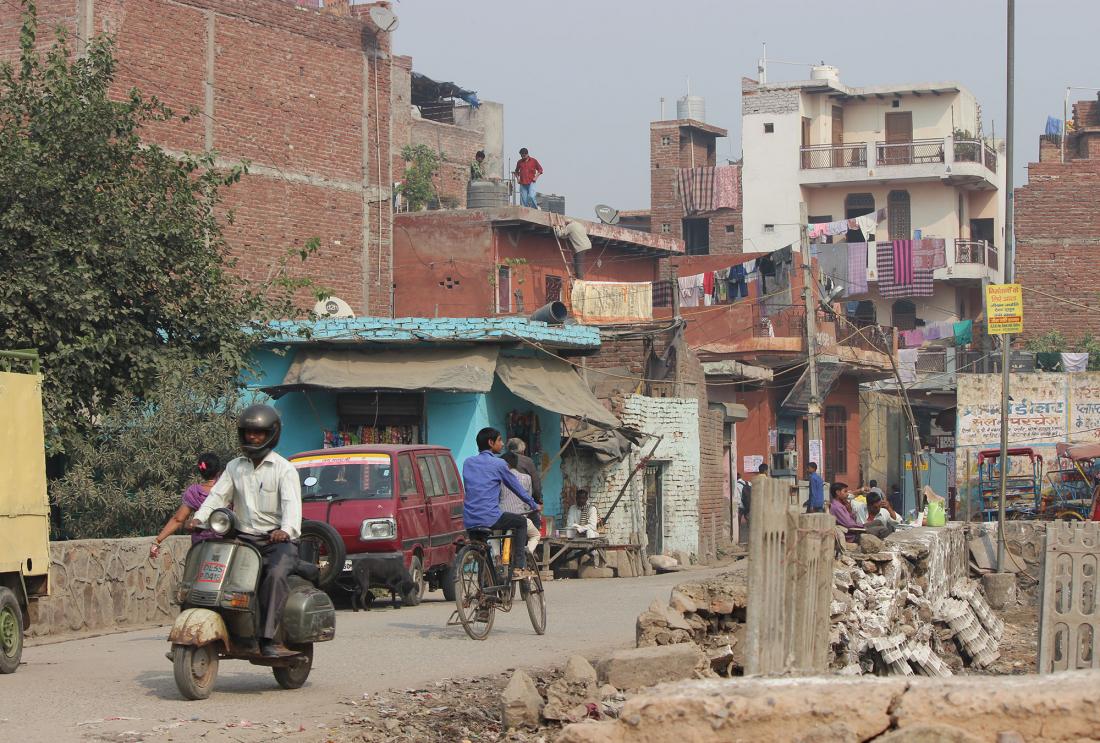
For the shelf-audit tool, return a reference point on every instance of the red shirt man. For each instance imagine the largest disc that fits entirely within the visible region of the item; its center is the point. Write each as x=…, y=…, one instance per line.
x=528, y=168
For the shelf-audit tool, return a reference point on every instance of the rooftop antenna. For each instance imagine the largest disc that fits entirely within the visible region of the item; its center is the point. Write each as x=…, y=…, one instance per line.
x=662, y=108
x=762, y=65
x=384, y=18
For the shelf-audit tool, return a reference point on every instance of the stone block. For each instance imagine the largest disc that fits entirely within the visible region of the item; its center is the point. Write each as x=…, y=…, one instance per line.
x=1000, y=589
x=591, y=571
x=520, y=702
x=640, y=667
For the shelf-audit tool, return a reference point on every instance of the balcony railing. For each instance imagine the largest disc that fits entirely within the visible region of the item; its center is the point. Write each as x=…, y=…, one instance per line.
x=917, y=152
x=852, y=155
x=978, y=252
x=786, y=322
x=932, y=360
x=990, y=156
x=975, y=151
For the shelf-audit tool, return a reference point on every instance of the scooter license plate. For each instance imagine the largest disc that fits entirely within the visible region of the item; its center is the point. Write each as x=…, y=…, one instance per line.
x=347, y=566
x=211, y=572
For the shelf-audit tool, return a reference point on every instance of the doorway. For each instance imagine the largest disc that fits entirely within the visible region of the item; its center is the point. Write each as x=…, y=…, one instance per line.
x=858, y=205
x=696, y=233
x=899, y=132
x=838, y=137
x=982, y=229
x=654, y=508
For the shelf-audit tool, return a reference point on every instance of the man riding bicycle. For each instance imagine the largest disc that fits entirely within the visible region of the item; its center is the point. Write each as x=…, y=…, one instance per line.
x=483, y=477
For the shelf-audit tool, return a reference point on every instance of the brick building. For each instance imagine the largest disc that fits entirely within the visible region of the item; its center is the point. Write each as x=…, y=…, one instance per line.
x=435, y=114
x=1057, y=225
x=302, y=95
x=683, y=145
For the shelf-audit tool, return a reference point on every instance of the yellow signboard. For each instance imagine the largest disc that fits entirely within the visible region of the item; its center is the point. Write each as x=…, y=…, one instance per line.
x=1004, y=309
x=909, y=465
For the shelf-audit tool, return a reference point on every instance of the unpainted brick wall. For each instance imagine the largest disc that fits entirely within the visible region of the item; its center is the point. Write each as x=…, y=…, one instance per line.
x=304, y=96
x=1057, y=234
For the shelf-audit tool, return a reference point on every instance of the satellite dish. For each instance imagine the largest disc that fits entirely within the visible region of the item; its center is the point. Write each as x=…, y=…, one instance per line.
x=333, y=307
x=383, y=18
x=607, y=214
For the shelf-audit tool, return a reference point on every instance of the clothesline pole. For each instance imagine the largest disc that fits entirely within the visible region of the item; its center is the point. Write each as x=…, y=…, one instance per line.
x=814, y=408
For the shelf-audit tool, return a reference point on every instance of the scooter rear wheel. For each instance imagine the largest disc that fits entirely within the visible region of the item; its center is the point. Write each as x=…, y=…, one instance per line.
x=295, y=675
x=195, y=669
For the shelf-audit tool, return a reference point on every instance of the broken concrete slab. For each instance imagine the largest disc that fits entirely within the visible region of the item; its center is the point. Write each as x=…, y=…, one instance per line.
x=1057, y=708
x=579, y=671
x=637, y=668
x=663, y=562
x=1000, y=589
x=591, y=571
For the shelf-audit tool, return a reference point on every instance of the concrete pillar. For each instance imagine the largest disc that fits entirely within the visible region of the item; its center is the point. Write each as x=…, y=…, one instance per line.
x=1000, y=589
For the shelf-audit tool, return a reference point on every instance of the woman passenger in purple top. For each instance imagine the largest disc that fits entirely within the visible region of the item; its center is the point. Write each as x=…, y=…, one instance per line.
x=210, y=469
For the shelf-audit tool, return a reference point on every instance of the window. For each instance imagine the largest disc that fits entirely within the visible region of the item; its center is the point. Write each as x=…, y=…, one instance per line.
x=405, y=473
x=504, y=289
x=553, y=288
x=857, y=205
x=864, y=313
x=769, y=128
x=897, y=214
x=769, y=228
x=450, y=477
x=666, y=140
x=430, y=477
x=730, y=228
x=836, y=441
x=666, y=228
x=896, y=103
x=696, y=236
x=905, y=315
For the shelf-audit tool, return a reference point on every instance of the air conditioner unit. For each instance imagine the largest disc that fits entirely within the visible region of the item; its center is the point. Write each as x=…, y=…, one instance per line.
x=784, y=461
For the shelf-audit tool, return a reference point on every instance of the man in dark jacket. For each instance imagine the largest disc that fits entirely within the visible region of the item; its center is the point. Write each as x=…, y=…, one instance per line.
x=527, y=466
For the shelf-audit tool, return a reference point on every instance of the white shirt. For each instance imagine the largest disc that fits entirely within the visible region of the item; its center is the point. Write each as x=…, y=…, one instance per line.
x=573, y=518
x=885, y=517
x=264, y=498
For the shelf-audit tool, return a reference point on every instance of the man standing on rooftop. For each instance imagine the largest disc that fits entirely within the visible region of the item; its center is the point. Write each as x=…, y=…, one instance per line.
x=527, y=172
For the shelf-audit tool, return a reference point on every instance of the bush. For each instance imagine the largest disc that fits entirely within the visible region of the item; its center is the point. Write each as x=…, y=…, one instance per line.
x=125, y=480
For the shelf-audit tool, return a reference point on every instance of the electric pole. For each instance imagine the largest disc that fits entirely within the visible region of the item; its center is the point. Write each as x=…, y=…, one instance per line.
x=1006, y=339
x=814, y=407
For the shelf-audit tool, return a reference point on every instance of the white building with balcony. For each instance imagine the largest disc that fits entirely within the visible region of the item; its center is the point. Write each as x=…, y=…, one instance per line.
x=918, y=150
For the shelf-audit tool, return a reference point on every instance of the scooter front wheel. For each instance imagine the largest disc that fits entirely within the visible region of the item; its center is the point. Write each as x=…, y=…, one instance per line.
x=195, y=669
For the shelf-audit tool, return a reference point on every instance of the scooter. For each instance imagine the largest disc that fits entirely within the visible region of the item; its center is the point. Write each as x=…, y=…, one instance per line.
x=220, y=613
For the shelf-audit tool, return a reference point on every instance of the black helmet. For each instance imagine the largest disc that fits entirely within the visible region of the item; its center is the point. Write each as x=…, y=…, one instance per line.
x=259, y=418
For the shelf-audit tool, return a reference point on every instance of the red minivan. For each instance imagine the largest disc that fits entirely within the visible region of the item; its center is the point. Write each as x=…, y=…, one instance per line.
x=399, y=507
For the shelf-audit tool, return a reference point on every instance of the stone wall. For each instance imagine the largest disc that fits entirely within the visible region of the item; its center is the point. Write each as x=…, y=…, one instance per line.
x=108, y=585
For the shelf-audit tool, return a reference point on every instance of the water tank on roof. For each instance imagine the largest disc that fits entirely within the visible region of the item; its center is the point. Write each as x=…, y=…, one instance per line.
x=825, y=72
x=691, y=107
x=486, y=194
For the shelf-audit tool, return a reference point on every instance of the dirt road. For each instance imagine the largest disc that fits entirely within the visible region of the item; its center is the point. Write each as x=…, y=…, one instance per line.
x=65, y=691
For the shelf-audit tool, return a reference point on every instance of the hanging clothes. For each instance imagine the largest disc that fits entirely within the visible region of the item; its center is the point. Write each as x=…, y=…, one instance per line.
x=696, y=186
x=920, y=283
x=612, y=302
x=727, y=187
x=689, y=297
x=738, y=287
x=929, y=254
x=722, y=285
x=903, y=262
x=1075, y=362
x=708, y=284
x=867, y=224
x=857, y=268
x=964, y=332
x=833, y=263
x=907, y=365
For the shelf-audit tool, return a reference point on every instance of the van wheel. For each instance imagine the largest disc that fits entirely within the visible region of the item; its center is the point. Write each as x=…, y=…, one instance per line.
x=195, y=669
x=11, y=631
x=294, y=675
x=416, y=572
x=447, y=582
x=322, y=543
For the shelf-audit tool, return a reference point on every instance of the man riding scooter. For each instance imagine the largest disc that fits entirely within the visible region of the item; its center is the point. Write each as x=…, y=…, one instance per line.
x=266, y=496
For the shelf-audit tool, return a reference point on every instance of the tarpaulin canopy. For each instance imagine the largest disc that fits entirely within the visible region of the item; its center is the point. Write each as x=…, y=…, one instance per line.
x=553, y=385
x=452, y=369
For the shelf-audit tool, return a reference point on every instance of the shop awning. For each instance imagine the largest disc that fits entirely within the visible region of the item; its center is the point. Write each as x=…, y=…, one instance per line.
x=553, y=385
x=450, y=369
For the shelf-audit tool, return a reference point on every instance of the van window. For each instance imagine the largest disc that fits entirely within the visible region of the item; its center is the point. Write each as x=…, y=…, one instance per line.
x=450, y=476
x=429, y=476
x=406, y=475
x=367, y=476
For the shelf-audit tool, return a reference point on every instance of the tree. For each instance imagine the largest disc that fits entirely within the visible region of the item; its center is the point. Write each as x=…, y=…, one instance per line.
x=418, y=188
x=112, y=258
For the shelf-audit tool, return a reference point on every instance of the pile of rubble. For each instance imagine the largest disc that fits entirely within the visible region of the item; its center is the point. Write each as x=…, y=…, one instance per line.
x=888, y=618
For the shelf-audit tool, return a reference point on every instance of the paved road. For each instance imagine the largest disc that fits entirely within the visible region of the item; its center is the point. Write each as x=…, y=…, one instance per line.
x=126, y=675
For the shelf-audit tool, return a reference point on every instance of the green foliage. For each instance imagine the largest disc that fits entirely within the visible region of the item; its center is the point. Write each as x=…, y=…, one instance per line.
x=1055, y=342
x=127, y=478
x=418, y=188
x=111, y=251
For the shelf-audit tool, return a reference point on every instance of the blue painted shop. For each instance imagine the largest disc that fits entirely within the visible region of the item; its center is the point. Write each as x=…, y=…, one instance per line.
x=431, y=381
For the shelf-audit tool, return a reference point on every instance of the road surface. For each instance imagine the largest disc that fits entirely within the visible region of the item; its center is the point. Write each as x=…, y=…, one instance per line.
x=64, y=691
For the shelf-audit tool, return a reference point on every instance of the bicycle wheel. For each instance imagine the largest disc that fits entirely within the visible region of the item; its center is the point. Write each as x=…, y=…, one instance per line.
x=533, y=595
x=475, y=607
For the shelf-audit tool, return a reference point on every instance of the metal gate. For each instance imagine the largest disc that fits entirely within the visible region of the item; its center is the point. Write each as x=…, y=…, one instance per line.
x=1069, y=615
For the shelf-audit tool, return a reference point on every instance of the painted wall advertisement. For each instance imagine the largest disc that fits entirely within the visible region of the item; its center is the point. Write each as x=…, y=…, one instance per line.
x=1045, y=409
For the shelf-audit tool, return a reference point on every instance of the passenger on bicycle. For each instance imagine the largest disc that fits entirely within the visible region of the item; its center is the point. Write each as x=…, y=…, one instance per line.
x=483, y=477
x=511, y=503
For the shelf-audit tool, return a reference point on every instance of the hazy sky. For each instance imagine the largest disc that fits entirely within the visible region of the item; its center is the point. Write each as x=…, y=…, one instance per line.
x=580, y=81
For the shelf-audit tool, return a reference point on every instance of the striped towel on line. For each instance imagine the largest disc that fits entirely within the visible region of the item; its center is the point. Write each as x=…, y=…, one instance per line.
x=920, y=281
x=696, y=186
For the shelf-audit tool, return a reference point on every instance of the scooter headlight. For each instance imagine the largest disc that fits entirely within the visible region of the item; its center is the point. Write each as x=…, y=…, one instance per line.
x=222, y=522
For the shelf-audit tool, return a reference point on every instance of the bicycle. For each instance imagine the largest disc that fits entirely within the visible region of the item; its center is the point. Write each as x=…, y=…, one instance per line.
x=481, y=587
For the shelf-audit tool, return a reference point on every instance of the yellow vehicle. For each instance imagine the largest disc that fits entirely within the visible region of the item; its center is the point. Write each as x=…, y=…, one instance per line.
x=24, y=507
